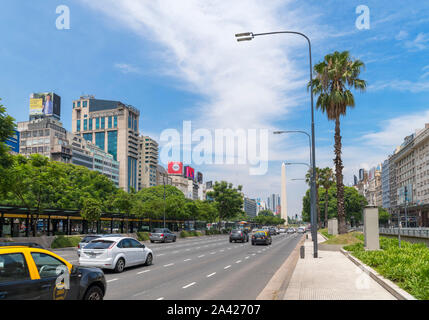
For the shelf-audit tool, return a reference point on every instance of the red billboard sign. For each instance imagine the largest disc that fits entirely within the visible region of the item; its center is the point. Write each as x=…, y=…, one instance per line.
x=175, y=167
x=189, y=172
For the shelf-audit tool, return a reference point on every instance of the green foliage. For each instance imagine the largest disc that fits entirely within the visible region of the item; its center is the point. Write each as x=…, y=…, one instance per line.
x=7, y=125
x=212, y=232
x=354, y=203
x=228, y=200
x=65, y=242
x=407, y=266
x=185, y=234
x=268, y=220
x=143, y=236
x=91, y=210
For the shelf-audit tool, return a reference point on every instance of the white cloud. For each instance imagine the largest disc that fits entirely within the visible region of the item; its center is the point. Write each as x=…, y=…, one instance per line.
x=419, y=43
x=401, y=35
x=401, y=85
x=126, y=68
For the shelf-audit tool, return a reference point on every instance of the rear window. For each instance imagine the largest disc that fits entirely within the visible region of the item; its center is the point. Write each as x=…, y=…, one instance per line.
x=236, y=231
x=158, y=230
x=99, y=244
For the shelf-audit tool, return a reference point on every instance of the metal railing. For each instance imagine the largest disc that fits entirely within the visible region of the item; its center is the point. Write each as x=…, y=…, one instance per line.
x=411, y=232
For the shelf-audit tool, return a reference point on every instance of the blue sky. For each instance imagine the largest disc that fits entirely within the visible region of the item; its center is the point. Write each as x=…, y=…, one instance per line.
x=178, y=60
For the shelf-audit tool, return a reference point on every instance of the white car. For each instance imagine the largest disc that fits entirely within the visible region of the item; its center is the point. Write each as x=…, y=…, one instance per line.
x=115, y=253
x=282, y=230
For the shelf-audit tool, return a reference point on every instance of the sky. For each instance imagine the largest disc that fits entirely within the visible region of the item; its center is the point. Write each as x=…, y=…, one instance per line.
x=179, y=61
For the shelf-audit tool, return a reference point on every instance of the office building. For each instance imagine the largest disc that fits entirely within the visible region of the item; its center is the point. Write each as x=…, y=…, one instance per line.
x=114, y=127
x=385, y=185
x=162, y=176
x=13, y=142
x=250, y=207
x=148, y=162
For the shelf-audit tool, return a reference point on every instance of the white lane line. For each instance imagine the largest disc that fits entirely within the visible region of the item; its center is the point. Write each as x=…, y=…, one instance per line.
x=211, y=274
x=253, y=254
x=167, y=265
x=139, y=294
x=143, y=271
x=229, y=248
x=188, y=249
x=112, y=280
x=222, y=250
x=186, y=260
x=201, y=256
x=212, y=252
x=162, y=298
x=175, y=251
x=162, y=254
x=198, y=247
x=238, y=261
x=227, y=267
x=188, y=285
x=247, y=257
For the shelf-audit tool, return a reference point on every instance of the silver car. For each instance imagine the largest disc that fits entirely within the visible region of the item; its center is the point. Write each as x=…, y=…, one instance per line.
x=115, y=253
x=162, y=235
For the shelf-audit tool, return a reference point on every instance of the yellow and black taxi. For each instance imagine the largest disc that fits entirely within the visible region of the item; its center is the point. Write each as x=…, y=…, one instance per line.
x=261, y=236
x=29, y=272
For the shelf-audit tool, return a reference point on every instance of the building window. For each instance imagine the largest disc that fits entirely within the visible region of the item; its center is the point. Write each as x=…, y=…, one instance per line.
x=109, y=123
x=99, y=140
x=78, y=104
x=74, y=105
x=78, y=126
x=135, y=124
x=112, y=143
x=115, y=121
x=97, y=123
x=85, y=125
x=84, y=104
x=103, y=122
x=90, y=124
x=88, y=137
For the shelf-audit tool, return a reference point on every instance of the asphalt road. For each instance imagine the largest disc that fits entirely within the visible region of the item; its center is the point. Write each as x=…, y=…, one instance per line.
x=208, y=268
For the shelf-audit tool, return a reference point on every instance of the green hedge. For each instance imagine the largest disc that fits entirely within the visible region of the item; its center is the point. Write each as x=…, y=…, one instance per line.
x=212, y=232
x=65, y=242
x=143, y=236
x=184, y=234
x=407, y=266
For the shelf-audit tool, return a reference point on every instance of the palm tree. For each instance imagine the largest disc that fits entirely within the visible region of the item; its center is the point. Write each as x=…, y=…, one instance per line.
x=326, y=180
x=334, y=77
x=308, y=180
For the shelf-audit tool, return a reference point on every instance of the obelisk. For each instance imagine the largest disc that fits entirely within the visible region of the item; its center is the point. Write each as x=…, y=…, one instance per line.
x=283, y=199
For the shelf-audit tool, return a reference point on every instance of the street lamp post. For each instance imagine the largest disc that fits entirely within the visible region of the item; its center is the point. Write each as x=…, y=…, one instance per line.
x=163, y=180
x=247, y=36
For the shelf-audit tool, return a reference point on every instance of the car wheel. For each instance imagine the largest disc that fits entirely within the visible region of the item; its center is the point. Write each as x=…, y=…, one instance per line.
x=120, y=265
x=151, y=241
x=253, y=243
x=230, y=240
x=149, y=260
x=174, y=239
x=93, y=293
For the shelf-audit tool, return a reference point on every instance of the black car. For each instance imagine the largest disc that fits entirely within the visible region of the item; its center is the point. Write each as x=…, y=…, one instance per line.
x=238, y=235
x=261, y=238
x=31, y=273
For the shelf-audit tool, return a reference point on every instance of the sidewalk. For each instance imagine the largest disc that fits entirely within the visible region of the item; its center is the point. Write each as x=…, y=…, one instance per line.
x=332, y=276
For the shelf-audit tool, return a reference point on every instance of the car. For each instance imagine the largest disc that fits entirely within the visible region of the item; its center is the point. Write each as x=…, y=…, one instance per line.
x=238, y=235
x=261, y=237
x=115, y=253
x=29, y=272
x=162, y=235
x=282, y=230
x=88, y=238
x=272, y=231
x=291, y=230
x=301, y=230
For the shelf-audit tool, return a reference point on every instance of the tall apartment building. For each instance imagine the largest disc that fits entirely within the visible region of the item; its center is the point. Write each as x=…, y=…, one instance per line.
x=162, y=176
x=113, y=127
x=385, y=185
x=273, y=202
x=47, y=137
x=250, y=207
x=148, y=162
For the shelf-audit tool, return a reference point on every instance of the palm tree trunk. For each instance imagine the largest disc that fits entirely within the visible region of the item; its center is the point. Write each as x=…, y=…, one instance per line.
x=326, y=207
x=339, y=177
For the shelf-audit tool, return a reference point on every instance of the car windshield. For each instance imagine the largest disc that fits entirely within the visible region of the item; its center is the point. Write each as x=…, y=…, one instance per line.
x=158, y=230
x=236, y=231
x=259, y=235
x=99, y=244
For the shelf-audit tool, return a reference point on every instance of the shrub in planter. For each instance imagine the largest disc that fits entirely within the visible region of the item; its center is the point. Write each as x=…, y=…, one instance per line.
x=65, y=242
x=184, y=234
x=143, y=236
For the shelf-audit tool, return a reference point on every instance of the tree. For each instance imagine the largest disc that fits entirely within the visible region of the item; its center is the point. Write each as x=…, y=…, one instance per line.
x=326, y=180
x=7, y=125
x=308, y=180
x=383, y=216
x=228, y=200
x=207, y=210
x=266, y=212
x=91, y=210
x=334, y=77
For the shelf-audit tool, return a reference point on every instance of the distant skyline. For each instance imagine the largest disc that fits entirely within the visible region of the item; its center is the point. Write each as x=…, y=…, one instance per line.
x=178, y=60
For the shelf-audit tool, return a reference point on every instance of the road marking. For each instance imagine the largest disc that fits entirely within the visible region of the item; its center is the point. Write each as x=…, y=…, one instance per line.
x=227, y=267
x=229, y=248
x=162, y=298
x=198, y=247
x=112, y=280
x=211, y=274
x=201, y=256
x=222, y=250
x=238, y=261
x=139, y=294
x=253, y=254
x=212, y=252
x=143, y=271
x=188, y=285
x=162, y=254
x=167, y=265
x=175, y=251
x=247, y=257
x=186, y=260
x=188, y=249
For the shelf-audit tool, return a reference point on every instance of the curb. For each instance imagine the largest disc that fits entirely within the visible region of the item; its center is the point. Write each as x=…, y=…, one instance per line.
x=276, y=287
x=392, y=288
